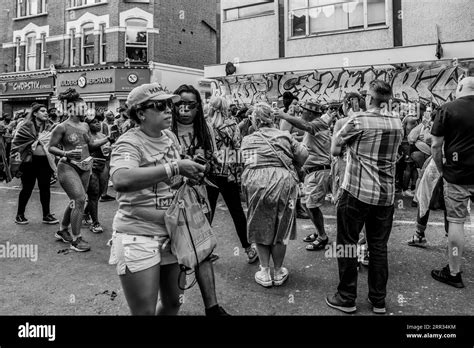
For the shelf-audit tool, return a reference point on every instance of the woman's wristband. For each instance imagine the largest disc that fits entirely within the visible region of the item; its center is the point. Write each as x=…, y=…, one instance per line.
x=174, y=168
x=169, y=172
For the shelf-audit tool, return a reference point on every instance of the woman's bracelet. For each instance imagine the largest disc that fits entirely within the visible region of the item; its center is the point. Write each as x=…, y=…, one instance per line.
x=175, y=168
x=169, y=172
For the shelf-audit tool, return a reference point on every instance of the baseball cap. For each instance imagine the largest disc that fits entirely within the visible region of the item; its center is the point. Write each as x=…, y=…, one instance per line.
x=313, y=107
x=150, y=91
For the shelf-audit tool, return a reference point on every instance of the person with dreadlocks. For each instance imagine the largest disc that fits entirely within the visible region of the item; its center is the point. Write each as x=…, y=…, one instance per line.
x=196, y=139
x=74, y=168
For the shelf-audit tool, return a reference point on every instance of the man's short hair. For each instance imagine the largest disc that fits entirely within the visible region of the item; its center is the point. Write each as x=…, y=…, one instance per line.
x=381, y=90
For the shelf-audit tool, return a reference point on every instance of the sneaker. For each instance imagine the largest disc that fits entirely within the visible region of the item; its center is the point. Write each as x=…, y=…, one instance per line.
x=263, y=277
x=377, y=309
x=280, y=276
x=336, y=302
x=216, y=311
x=444, y=276
x=53, y=181
x=417, y=240
x=408, y=193
x=80, y=245
x=96, y=228
x=21, y=220
x=213, y=257
x=318, y=244
x=50, y=220
x=252, y=254
x=63, y=236
x=87, y=220
x=106, y=198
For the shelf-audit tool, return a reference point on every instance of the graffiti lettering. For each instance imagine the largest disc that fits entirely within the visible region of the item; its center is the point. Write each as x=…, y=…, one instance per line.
x=435, y=82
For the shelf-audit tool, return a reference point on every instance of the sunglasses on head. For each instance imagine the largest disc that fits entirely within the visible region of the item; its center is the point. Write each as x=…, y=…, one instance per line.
x=159, y=105
x=190, y=104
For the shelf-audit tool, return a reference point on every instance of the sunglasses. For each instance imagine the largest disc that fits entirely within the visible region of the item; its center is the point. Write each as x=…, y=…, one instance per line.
x=191, y=105
x=158, y=105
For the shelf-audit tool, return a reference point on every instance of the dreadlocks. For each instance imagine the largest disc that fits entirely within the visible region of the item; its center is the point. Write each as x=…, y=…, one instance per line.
x=201, y=131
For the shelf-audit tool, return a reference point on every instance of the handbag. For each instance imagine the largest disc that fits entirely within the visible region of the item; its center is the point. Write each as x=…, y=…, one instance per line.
x=437, y=199
x=192, y=240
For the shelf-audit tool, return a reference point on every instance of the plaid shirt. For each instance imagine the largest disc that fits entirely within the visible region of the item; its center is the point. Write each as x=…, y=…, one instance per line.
x=372, y=141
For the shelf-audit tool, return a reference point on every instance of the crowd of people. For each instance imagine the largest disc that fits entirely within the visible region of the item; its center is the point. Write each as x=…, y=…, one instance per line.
x=282, y=163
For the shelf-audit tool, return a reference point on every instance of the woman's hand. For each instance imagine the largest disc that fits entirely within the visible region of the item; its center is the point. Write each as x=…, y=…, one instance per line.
x=74, y=155
x=279, y=114
x=191, y=169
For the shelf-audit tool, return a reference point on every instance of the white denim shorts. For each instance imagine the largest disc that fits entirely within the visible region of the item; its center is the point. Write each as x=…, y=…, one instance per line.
x=138, y=253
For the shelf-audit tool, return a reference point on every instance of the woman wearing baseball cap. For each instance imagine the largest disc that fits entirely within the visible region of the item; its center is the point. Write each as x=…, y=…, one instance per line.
x=146, y=171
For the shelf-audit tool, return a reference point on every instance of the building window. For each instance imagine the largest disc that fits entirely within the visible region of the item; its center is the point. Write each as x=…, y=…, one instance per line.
x=87, y=44
x=17, y=54
x=43, y=51
x=73, y=50
x=308, y=17
x=103, y=44
x=30, y=54
x=260, y=9
x=77, y=3
x=136, y=41
x=30, y=7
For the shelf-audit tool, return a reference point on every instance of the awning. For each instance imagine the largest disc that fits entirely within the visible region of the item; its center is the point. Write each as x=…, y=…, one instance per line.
x=20, y=97
x=89, y=98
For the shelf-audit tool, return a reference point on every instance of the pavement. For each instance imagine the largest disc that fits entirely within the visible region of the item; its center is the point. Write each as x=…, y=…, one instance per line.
x=64, y=282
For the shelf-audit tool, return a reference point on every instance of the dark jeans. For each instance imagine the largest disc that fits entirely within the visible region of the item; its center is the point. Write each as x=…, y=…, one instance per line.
x=352, y=214
x=231, y=194
x=39, y=169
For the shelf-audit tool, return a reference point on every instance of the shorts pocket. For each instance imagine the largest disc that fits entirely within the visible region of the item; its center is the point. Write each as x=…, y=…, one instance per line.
x=138, y=248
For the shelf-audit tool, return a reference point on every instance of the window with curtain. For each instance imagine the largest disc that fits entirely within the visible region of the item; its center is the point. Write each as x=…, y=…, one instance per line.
x=30, y=7
x=73, y=48
x=309, y=17
x=43, y=51
x=88, y=44
x=17, y=54
x=76, y=3
x=103, y=44
x=136, y=41
x=30, y=53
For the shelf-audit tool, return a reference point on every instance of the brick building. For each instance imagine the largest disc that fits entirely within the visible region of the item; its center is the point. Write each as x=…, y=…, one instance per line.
x=103, y=48
x=321, y=49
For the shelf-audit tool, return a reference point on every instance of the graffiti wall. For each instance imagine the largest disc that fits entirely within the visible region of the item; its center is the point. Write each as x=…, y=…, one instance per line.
x=431, y=81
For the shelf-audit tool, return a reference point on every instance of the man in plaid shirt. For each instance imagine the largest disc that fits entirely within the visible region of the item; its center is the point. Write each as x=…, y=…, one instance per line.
x=372, y=139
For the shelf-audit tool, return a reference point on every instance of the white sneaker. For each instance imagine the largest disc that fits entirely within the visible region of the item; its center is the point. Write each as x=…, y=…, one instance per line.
x=408, y=193
x=280, y=276
x=263, y=277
